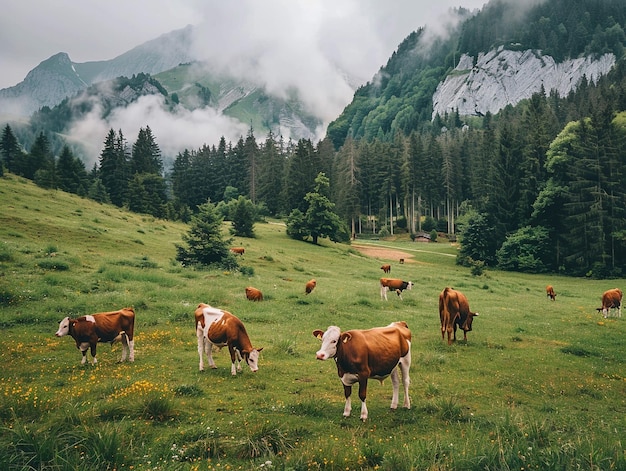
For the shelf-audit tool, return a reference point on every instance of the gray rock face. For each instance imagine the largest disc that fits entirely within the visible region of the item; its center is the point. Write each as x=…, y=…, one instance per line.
x=502, y=77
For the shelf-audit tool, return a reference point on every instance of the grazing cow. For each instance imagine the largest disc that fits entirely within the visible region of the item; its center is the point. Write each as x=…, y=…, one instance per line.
x=238, y=250
x=386, y=268
x=221, y=328
x=401, y=261
x=254, y=294
x=310, y=286
x=363, y=354
x=108, y=327
x=454, y=311
x=550, y=292
x=611, y=299
x=395, y=284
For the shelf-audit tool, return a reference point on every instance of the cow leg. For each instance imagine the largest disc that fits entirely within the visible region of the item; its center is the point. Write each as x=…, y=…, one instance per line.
x=348, y=380
x=233, y=361
x=124, y=347
x=83, y=347
x=93, y=353
x=362, y=396
x=201, y=347
x=131, y=350
x=347, y=391
x=405, y=365
x=395, y=385
x=239, y=359
x=383, y=292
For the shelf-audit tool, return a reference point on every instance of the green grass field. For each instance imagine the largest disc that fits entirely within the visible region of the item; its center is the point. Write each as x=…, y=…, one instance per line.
x=539, y=384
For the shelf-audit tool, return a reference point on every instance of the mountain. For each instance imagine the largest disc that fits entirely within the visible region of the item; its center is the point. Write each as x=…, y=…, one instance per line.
x=502, y=77
x=58, y=81
x=497, y=57
x=46, y=85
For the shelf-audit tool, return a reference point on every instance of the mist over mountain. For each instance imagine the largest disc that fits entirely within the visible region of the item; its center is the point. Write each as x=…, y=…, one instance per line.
x=477, y=62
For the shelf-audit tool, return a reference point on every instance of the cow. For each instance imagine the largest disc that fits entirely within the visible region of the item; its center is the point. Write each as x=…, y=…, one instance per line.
x=310, y=286
x=401, y=261
x=363, y=354
x=106, y=327
x=221, y=328
x=550, y=292
x=395, y=284
x=254, y=294
x=454, y=311
x=386, y=268
x=611, y=299
x=238, y=250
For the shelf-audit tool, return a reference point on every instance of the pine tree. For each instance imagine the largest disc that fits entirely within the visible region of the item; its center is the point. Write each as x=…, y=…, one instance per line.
x=243, y=216
x=204, y=243
x=146, y=155
x=320, y=218
x=271, y=171
x=71, y=173
x=114, y=167
x=11, y=154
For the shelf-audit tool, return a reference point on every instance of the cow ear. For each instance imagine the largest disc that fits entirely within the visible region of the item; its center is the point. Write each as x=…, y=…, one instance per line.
x=318, y=334
x=346, y=337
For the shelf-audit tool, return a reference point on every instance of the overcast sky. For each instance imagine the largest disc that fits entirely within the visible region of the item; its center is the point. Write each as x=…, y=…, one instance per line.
x=299, y=41
x=364, y=33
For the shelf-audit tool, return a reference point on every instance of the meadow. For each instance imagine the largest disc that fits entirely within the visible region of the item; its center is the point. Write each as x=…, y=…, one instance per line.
x=539, y=385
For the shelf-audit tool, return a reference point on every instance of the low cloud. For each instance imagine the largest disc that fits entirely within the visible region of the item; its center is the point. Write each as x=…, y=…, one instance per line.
x=173, y=131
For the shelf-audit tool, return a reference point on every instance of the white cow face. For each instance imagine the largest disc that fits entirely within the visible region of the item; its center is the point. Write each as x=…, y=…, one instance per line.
x=253, y=359
x=330, y=338
x=64, y=327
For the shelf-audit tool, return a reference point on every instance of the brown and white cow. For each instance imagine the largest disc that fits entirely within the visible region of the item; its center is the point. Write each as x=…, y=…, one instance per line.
x=254, y=294
x=363, y=354
x=221, y=328
x=611, y=299
x=238, y=250
x=550, y=292
x=454, y=311
x=310, y=286
x=394, y=284
x=108, y=327
x=386, y=268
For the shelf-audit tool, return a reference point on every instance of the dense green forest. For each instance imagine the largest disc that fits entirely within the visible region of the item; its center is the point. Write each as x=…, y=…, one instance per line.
x=536, y=187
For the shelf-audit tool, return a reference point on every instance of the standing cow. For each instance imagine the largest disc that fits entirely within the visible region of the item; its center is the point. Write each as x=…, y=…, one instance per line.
x=611, y=299
x=310, y=286
x=395, y=284
x=386, y=268
x=454, y=311
x=550, y=292
x=108, y=327
x=363, y=354
x=254, y=294
x=221, y=328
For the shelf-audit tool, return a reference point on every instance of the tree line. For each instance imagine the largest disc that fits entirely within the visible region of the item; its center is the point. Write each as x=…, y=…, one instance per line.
x=536, y=187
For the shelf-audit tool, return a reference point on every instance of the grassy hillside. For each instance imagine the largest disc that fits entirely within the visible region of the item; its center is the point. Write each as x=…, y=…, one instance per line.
x=539, y=384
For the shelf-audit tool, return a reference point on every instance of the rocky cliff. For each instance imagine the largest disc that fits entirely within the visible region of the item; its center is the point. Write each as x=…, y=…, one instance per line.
x=501, y=77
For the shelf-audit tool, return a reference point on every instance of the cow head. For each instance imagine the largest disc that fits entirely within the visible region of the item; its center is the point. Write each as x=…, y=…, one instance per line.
x=329, y=339
x=64, y=327
x=252, y=358
x=467, y=327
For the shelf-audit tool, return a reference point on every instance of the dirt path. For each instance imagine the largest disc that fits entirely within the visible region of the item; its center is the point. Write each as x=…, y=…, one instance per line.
x=382, y=252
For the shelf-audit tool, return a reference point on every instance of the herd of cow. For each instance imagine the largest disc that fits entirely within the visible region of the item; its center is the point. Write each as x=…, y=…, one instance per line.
x=359, y=354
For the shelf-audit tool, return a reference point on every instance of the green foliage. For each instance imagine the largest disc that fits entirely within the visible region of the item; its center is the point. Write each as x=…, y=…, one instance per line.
x=525, y=250
x=477, y=240
x=243, y=217
x=205, y=244
x=296, y=225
